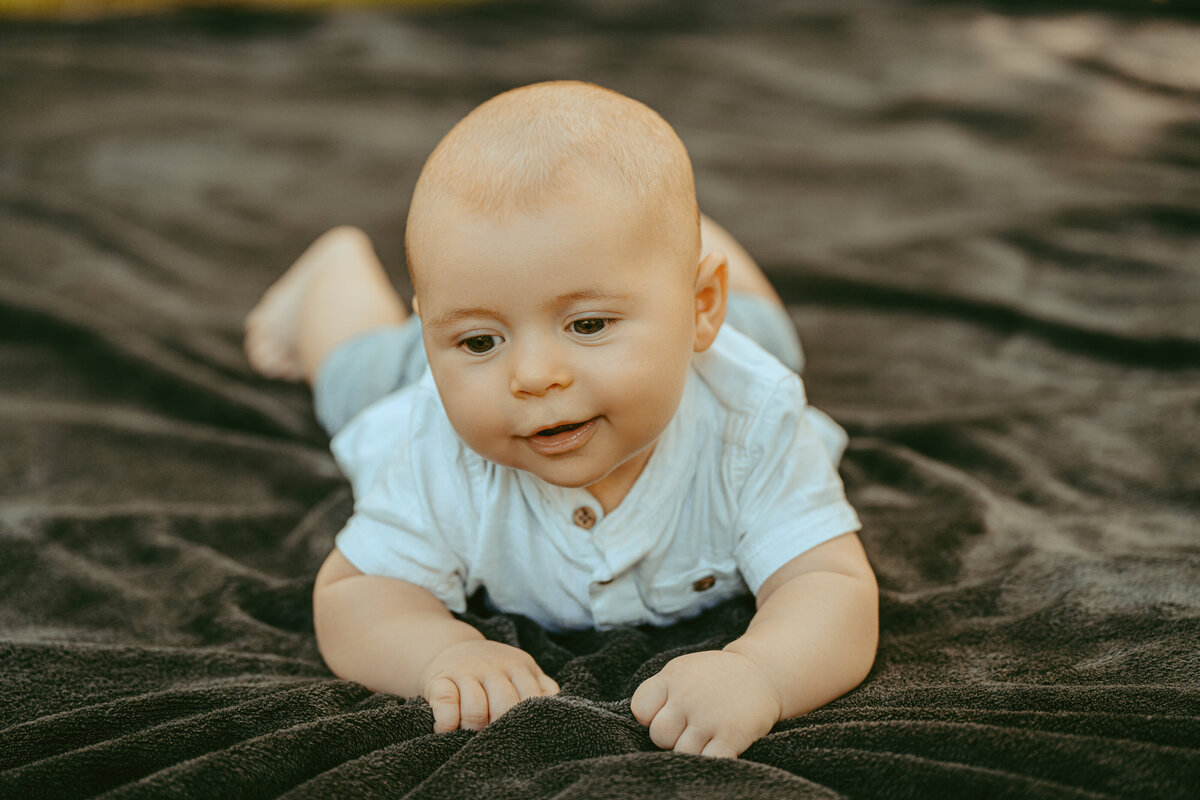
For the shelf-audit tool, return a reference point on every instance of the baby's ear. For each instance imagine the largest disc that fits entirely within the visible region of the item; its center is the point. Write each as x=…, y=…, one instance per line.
x=416, y=306
x=712, y=291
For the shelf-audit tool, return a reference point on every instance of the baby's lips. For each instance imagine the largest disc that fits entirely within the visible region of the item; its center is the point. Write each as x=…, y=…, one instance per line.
x=571, y=438
x=545, y=430
x=560, y=428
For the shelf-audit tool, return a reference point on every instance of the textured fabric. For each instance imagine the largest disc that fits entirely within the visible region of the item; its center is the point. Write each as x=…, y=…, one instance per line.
x=983, y=220
x=739, y=483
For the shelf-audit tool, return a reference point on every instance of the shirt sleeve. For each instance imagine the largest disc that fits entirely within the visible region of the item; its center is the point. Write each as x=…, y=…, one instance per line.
x=410, y=522
x=791, y=498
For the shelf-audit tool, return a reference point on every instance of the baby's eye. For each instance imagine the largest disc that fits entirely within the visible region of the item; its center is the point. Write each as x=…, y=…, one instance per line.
x=589, y=327
x=479, y=344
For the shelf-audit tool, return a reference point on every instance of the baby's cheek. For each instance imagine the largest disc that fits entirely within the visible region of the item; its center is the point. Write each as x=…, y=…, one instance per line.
x=485, y=432
x=650, y=391
x=475, y=419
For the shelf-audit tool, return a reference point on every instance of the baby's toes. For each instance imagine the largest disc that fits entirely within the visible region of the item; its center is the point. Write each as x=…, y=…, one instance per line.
x=263, y=354
x=270, y=359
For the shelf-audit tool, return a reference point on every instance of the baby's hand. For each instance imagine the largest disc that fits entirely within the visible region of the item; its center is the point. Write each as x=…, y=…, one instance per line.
x=715, y=703
x=473, y=683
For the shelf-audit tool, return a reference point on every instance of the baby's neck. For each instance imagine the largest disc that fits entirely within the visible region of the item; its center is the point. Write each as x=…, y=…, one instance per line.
x=610, y=490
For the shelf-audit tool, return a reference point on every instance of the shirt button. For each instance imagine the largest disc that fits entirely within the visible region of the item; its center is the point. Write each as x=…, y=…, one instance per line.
x=705, y=583
x=584, y=517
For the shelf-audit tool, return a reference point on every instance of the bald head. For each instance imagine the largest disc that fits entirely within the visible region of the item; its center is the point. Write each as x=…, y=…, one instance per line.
x=535, y=145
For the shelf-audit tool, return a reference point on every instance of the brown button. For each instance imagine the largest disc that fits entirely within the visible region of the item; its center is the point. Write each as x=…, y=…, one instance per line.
x=584, y=517
x=705, y=583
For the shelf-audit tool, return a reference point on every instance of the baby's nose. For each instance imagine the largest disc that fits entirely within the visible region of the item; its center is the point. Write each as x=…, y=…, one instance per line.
x=539, y=367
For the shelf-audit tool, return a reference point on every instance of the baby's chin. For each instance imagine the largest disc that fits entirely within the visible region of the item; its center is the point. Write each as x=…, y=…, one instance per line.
x=556, y=474
x=563, y=475
x=567, y=481
x=569, y=470
x=594, y=477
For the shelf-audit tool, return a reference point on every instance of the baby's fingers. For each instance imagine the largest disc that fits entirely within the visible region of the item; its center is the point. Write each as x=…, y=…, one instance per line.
x=443, y=699
x=693, y=740
x=533, y=684
x=472, y=704
x=648, y=699
x=501, y=696
x=547, y=684
x=668, y=727
x=700, y=740
x=719, y=748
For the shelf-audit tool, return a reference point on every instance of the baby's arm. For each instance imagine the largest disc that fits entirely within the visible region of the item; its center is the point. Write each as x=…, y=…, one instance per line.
x=394, y=636
x=812, y=640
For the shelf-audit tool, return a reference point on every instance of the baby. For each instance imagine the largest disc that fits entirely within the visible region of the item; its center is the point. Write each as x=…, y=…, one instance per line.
x=571, y=427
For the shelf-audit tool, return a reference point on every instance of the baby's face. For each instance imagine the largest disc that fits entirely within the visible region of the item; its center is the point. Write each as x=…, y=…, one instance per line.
x=559, y=340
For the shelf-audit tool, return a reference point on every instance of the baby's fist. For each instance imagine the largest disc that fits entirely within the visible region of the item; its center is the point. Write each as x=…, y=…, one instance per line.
x=712, y=703
x=474, y=683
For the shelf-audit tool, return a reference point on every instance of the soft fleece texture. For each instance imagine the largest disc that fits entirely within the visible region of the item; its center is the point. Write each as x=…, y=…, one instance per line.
x=986, y=223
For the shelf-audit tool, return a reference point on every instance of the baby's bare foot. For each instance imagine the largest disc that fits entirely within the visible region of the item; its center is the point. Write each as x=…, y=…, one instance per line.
x=271, y=326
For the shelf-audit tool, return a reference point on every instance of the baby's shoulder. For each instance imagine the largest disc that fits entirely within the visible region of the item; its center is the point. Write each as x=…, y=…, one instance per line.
x=407, y=428
x=761, y=402
x=743, y=378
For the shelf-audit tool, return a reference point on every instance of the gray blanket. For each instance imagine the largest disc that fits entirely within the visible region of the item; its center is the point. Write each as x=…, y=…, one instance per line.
x=986, y=223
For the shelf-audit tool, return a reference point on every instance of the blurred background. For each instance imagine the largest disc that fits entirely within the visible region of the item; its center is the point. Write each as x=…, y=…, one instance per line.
x=93, y=8
x=1021, y=163
x=84, y=8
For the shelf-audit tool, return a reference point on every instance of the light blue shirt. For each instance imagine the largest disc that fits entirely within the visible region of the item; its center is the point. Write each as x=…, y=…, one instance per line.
x=741, y=481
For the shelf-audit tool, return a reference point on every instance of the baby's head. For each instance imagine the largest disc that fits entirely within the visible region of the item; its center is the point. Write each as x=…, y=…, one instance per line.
x=554, y=248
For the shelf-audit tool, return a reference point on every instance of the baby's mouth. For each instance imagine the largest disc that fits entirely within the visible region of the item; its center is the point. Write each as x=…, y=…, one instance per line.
x=564, y=438
x=560, y=429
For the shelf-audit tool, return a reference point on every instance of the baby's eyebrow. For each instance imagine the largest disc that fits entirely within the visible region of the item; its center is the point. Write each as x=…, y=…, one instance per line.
x=591, y=294
x=459, y=314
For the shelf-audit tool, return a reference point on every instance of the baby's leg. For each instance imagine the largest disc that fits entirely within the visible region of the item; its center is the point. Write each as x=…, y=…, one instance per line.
x=337, y=289
x=744, y=274
x=754, y=308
